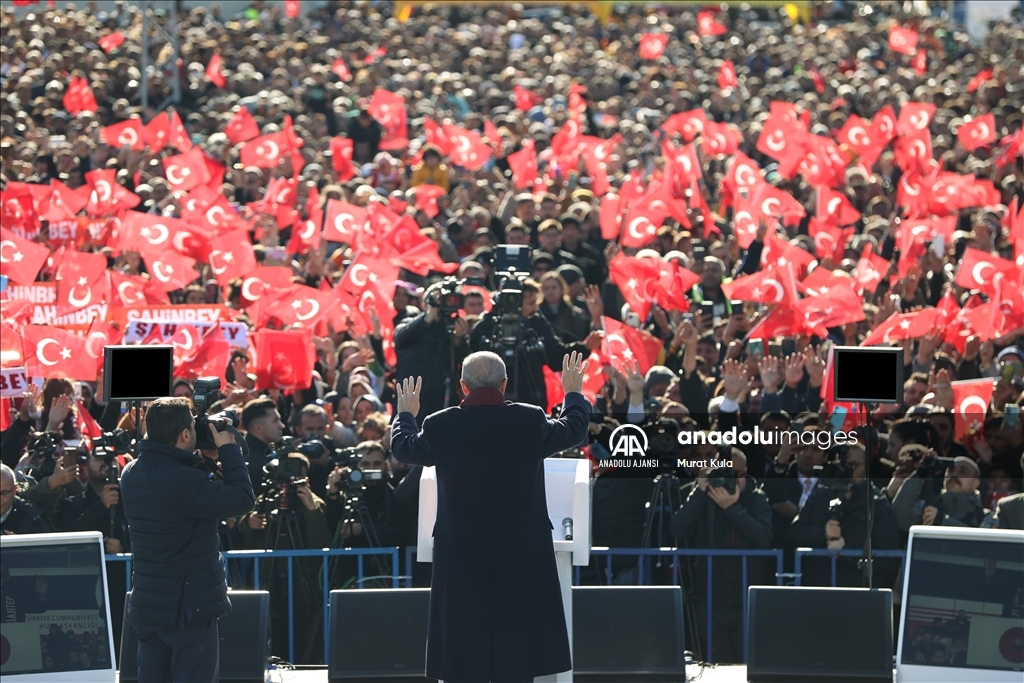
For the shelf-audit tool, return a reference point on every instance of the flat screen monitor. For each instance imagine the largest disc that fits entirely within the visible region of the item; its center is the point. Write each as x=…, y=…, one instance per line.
x=963, y=606
x=867, y=375
x=797, y=634
x=55, y=624
x=137, y=373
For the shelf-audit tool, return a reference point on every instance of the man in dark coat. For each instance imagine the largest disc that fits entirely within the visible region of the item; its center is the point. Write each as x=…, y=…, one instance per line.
x=495, y=602
x=173, y=508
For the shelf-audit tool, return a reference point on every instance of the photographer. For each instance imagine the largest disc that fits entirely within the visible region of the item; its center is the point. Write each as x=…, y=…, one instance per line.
x=732, y=513
x=16, y=515
x=425, y=343
x=55, y=472
x=958, y=503
x=97, y=508
x=528, y=364
x=179, y=589
x=836, y=518
x=312, y=429
x=375, y=495
x=263, y=427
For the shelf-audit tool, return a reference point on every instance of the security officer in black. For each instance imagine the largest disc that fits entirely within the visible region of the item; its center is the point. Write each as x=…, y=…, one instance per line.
x=526, y=385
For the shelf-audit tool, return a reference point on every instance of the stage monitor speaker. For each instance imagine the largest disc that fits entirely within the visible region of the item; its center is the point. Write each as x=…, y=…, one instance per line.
x=378, y=634
x=244, y=640
x=630, y=633
x=820, y=634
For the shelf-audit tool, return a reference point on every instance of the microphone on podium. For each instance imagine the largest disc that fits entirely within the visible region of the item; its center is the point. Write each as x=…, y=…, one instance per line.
x=567, y=528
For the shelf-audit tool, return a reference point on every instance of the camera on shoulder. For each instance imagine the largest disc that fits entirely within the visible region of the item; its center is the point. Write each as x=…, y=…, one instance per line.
x=206, y=392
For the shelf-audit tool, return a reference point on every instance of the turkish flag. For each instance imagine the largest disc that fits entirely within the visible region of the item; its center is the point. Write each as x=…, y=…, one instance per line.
x=55, y=202
x=291, y=8
x=125, y=133
x=405, y=234
x=708, y=25
x=981, y=77
x=646, y=281
x=101, y=333
x=389, y=111
x=341, y=158
x=860, y=136
x=343, y=221
x=914, y=117
x=365, y=269
x=283, y=360
x=211, y=358
x=263, y=280
x=971, y=401
x=883, y=125
x=978, y=269
x=903, y=326
x=426, y=198
x=78, y=97
x=652, y=45
x=524, y=164
x=340, y=69
x=186, y=171
x=643, y=220
x=155, y=132
x=719, y=139
x=53, y=352
x=111, y=41
x=913, y=152
x=782, y=131
x=681, y=162
x=177, y=136
x=267, y=150
x=977, y=132
x=21, y=259
x=920, y=62
x=837, y=306
x=688, y=124
x=241, y=127
x=142, y=231
x=300, y=306
x=306, y=235
x=903, y=40
x=768, y=200
x=186, y=342
x=834, y=208
x=468, y=148
x=231, y=256
x=773, y=285
x=126, y=290
x=829, y=240
x=215, y=71
x=781, y=321
x=744, y=222
x=81, y=279
x=524, y=99
x=870, y=270
x=12, y=351
x=170, y=269
x=727, y=75
x=743, y=174
x=610, y=216
x=436, y=135
x=623, y=344
x=105, y=195
x=780, y=251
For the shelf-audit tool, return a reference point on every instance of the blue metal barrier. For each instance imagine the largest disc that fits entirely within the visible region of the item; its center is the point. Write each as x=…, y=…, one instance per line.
x=801, y=553
x=675, y=554
x=289, y=555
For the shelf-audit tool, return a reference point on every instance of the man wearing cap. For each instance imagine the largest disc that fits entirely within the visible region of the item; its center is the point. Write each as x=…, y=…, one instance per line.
x=957, y=504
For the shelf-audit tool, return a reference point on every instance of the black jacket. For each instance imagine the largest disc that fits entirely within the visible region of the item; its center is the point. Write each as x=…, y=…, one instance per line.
x=12, y=441
x=257, y=458
x=424, y=349
x=747, y=523
x=86, y=512
x=25, y=518
x=173, y=508
x=808, y=531
x=528, y=381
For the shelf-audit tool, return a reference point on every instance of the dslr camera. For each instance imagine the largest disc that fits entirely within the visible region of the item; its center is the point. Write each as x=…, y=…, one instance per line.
x=44, y=450
x=933, y=465
x=111, y=444
x=355, y=479
x=205, y=393
x=446, y=298
x=723, y=478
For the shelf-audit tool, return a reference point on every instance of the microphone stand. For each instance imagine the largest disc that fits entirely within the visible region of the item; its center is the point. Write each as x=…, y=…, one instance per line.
x=868, y=560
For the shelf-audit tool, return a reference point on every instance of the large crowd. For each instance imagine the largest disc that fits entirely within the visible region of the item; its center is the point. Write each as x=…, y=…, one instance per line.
x=704, y=204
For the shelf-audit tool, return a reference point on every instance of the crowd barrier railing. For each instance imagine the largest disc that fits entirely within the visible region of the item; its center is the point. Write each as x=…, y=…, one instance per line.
x=801, y=553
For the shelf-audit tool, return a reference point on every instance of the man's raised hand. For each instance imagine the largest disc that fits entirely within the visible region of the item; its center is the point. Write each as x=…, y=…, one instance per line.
x=573, y=367
x=409, y=395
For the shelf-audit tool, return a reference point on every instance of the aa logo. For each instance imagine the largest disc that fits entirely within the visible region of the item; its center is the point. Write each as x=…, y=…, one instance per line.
x=628, y=441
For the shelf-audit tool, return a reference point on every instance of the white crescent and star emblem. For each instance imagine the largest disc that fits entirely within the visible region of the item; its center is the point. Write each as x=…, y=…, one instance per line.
x=859, y=137
x=16, y=256
x=767, y=204
x=128, y=137
x=41, y=357
x=162, y=271
x=973, y=401
x=247, y=288
x=102, y=191
x=76, y=301
x=129, y=298
x=919, y=120
x=776, y=142
x=314, y=308
x=355, y=270
x=90, y=345
x=268, y=149
x=745, y=175
x=918, y=149
x=340, y=220
x=160, y=229
x=910, y=188
x=217, y=211
x=833, y=204
x=635, y=224
x=977, y=271
x=981, y=132
x=214, y=254
x=176, y=175
x=774, y=284
x=825, y=242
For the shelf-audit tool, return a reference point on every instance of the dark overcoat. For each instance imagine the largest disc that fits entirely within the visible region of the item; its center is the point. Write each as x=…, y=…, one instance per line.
x=495, y=603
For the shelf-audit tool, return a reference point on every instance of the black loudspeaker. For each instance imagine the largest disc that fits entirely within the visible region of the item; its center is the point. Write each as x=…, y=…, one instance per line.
x=378, y=634
x=632, y=633
x=244, y=640
x=820, y=634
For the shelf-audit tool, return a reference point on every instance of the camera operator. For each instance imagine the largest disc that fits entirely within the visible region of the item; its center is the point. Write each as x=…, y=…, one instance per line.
x=18, y=516
x=263, y=427
x=313, y=530
x=312, y=429
x=55, y=472
x=836, y=518
x=179, y=589
x=528, y=381
x=97, y=507
x=424, y=346
x=13, y=439
x=958, y=503
x=725, y=510
x=376, y=494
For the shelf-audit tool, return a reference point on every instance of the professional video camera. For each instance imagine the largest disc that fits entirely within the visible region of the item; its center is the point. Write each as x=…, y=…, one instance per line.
x=447, y=299
x=112, y=444
x=933, y=465
x=355, y=479
x=724, y=478
x=206, y=392
x=311, y=448
x=662, y=437
x=44, y=450
x=835, y=475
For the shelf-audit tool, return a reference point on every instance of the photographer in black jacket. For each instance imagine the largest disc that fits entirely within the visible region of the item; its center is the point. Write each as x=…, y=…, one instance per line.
x=173, y=506
x=424, y=344
x=715, y=517
x=528, y=381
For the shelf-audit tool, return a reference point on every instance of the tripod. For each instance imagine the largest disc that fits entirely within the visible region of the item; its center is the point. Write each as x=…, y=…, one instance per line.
x=665, y=499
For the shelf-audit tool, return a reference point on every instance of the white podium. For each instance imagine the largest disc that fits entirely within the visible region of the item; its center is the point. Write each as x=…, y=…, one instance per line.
x=567, y=485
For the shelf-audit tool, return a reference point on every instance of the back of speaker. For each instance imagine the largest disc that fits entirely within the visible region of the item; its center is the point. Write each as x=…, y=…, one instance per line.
x=378, y=634
x=630, y=633
x=244, y=640
x=821, y=634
